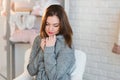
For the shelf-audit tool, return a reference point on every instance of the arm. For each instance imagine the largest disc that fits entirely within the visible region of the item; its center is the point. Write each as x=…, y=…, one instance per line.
x=33, y=62
x=35, y=49
x=56, y=69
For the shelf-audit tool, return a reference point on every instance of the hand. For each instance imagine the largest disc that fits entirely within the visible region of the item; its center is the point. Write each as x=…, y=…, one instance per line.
x=42, y=44
x=50, y=41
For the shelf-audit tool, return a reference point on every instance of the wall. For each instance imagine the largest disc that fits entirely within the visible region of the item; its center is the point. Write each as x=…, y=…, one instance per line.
x=95, y=24
x=3, y=64
x=20, y=50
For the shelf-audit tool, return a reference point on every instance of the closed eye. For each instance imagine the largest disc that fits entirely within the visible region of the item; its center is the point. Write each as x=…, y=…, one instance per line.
x=56, y=25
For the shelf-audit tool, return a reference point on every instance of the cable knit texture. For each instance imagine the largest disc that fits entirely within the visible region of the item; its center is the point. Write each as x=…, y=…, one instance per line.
x=55, y=63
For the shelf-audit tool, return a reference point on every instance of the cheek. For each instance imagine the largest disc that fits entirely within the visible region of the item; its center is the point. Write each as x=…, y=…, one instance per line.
x=57, y=30
x=46, y=29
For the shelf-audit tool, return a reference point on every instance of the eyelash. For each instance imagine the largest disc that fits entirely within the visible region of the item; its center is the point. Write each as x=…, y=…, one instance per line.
x=49, y=24
x=56, y=26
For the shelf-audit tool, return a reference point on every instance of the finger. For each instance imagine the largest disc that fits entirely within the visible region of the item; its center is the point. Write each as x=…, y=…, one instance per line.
x=43, y=40
x=47, y=39
x=54, y=37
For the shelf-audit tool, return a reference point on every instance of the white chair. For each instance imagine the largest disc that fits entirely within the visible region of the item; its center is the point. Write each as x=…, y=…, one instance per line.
x=25, y=75
x=77, y=74
x=80, y=63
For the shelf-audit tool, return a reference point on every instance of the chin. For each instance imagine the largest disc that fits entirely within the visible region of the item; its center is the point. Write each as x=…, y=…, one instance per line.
x=50, y=35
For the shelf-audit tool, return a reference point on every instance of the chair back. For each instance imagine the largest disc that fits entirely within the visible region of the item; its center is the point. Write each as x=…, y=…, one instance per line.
x=80, y=63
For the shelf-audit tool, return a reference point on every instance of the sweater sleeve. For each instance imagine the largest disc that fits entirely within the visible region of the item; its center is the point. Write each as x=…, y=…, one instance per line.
x=35, y=49
x=34, y=57
x=57, y=67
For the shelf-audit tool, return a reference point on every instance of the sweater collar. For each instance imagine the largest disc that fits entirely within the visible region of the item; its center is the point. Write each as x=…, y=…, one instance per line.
x=59, y=37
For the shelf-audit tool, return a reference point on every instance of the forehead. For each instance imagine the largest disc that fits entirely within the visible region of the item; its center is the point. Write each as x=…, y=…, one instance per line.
x=52, y=19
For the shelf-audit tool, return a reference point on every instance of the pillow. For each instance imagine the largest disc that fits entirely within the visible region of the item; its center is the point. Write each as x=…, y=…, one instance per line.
x=41, y=5
x=24, y=36
x=23, y=6
x=21, y=21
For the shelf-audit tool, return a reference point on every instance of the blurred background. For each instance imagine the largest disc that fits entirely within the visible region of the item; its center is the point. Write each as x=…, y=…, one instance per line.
x=95, y=24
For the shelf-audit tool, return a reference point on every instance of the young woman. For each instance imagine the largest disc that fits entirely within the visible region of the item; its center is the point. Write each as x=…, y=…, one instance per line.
x=52, y=56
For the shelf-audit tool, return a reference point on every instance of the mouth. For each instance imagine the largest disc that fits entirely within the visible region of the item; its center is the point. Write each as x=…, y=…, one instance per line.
x=50, y=32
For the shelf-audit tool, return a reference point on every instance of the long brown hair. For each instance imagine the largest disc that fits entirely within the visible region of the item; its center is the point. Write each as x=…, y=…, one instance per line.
x=65, y=28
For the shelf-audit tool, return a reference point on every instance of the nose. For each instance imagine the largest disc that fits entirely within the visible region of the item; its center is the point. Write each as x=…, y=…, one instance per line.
x=50, y=27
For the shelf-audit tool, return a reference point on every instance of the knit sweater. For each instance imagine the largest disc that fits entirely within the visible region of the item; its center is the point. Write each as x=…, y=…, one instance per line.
x=54, y=63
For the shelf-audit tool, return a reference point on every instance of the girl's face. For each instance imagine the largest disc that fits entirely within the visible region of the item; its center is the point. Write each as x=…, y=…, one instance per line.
x=52, y=25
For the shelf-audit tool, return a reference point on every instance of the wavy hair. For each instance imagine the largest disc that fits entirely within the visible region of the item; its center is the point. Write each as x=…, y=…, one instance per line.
x=65, y=28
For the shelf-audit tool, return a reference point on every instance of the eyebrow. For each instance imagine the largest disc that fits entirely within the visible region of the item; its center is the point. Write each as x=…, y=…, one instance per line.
x=53, y=23
x=56, y=24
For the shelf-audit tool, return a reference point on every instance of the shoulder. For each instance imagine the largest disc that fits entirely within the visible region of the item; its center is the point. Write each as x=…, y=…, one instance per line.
x=64, y=47
x=60, y=39
x=60, y=42
x=37, y=38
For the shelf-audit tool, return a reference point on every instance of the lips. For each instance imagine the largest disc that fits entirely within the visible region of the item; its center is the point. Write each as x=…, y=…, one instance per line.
x=50, y=32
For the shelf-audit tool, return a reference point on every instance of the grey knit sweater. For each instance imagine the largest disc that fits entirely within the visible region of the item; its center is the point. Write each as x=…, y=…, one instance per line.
x=55, y=63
